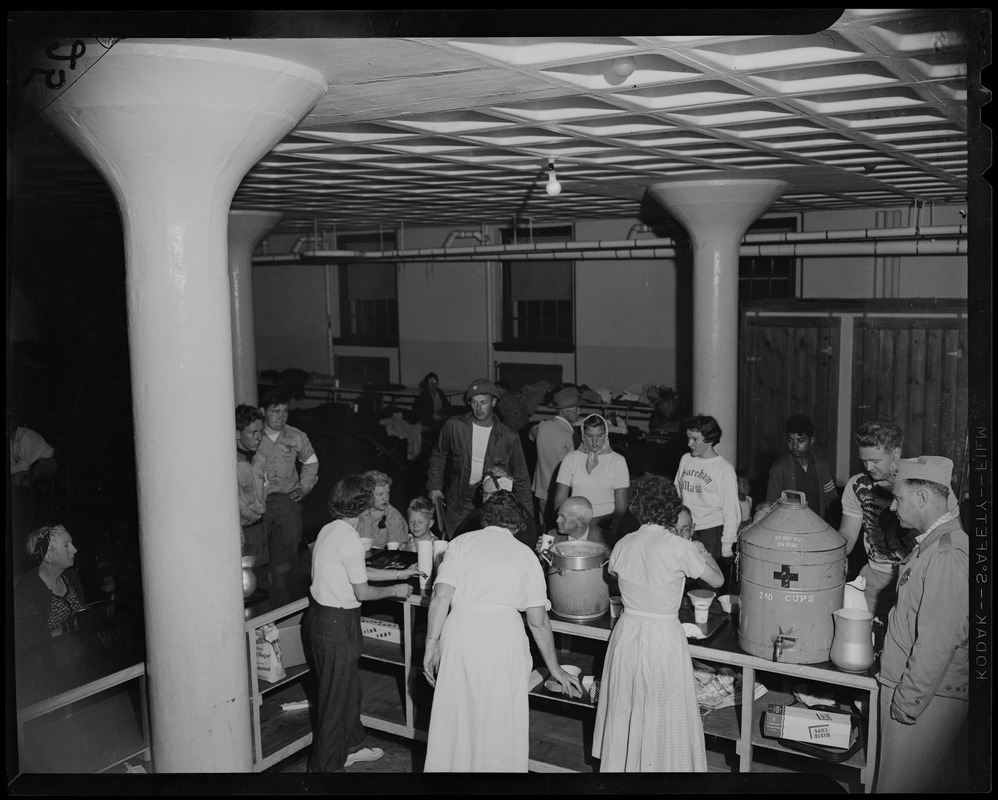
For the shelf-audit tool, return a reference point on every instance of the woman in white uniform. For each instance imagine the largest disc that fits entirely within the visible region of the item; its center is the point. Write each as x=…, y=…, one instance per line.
x=477, y=651
x=648, y=719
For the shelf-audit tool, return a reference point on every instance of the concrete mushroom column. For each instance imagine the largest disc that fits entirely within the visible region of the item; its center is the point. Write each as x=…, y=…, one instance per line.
x=246, y=230
x=716, y=214
x=173, y=129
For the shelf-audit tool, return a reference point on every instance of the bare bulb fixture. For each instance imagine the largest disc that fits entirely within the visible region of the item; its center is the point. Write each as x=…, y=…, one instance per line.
x=622, y=67
x=553, y=188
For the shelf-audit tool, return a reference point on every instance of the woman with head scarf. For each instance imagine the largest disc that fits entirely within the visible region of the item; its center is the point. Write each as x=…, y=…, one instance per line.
x=52, y=592
x=596, y=472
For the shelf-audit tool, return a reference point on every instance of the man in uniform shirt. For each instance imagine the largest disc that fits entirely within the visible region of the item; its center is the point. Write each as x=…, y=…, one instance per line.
x=284, y=448
x=469, y=444
x=924, y=668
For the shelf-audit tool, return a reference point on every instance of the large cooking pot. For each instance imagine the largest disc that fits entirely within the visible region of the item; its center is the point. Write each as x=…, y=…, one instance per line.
x=576, y=587
x=793, y=572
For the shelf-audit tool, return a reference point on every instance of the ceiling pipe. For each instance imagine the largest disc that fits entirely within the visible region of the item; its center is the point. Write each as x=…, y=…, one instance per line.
x=858, y=234
x=624, y=251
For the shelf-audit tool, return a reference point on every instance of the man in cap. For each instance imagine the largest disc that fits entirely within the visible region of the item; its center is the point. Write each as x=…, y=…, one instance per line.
x=469, y=444
x=866, y=510
x=924, y=666
x=554, y=437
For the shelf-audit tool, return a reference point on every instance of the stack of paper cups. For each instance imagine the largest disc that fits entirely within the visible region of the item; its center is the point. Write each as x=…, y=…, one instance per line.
x=424, y=560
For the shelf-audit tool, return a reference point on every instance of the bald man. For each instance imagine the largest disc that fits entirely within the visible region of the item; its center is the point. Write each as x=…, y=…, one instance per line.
x=574, y=524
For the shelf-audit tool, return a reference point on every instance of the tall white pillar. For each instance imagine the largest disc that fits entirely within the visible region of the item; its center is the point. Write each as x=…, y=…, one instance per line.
x=246, y=230
x=716, y=214
x=173, y=129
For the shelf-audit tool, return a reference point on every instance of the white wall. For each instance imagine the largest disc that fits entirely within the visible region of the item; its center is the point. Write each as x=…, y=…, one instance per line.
x=862, y=277
x=630, y=330
x=289, y=314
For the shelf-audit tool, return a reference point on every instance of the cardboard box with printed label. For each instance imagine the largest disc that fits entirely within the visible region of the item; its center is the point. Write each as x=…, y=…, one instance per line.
x=375, y=628
x=814, y=725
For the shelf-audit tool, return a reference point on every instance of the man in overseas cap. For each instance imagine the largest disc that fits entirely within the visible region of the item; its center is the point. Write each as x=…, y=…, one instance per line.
x=924, y=667
x=471, y=443
x=555, y=437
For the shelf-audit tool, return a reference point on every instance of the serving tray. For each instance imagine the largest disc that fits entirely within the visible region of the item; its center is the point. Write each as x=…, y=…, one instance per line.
x=391, y=559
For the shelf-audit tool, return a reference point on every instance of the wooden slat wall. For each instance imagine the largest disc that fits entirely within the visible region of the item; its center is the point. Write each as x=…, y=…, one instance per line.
x=914, y=371
x=789, y=365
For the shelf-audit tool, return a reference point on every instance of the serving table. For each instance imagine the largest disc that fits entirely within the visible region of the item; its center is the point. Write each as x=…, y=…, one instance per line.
x=278, y=733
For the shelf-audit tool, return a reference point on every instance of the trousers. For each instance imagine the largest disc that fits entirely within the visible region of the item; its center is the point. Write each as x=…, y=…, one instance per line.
x=333, y=647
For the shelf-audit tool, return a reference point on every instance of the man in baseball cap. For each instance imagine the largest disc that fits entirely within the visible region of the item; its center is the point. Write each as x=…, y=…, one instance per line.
x=470, y=444
x=924, y=667
x=481, y=386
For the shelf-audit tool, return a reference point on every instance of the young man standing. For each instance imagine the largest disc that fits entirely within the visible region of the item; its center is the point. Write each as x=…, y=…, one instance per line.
x=800, y=470
x=866, y=510
x=470, y=444
x=283, y=447
x=251, y=472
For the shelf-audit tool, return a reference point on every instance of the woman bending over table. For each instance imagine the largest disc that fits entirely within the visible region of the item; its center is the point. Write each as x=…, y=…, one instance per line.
x=477, y=652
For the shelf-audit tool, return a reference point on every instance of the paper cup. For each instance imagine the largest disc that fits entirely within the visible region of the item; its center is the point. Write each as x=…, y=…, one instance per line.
x=587, y=682
x=701, y=615
x=616, y=606
x=571, y=669
x=393, y=545
x=729, y=602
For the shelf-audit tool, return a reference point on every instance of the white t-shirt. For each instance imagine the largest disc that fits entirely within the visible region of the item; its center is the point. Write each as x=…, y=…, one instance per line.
x=598, y=488
x=479, y=444
x=337, y=564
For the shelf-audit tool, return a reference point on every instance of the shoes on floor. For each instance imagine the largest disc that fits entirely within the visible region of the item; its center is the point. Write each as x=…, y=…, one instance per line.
x=367, y=754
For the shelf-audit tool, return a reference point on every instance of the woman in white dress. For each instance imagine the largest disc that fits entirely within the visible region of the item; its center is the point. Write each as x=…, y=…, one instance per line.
x=477, y=652
x=648, y=719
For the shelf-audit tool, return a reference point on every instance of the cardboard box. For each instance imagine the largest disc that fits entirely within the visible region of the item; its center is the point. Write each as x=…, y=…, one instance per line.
x=380, y=629
x=813, y=725
x=292, y=650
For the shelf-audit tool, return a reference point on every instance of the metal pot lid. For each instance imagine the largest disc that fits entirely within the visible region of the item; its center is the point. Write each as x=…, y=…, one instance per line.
x=578, y=549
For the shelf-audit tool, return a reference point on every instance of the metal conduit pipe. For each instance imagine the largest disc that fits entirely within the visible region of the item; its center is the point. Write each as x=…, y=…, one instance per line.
x=949, y=247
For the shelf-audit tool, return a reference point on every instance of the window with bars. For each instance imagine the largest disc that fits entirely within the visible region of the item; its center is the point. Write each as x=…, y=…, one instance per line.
x=538, y=296
x=768, y=277
x=369, y=312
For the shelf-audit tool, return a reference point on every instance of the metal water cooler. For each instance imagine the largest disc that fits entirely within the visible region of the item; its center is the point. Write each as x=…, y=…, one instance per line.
x=793, y=573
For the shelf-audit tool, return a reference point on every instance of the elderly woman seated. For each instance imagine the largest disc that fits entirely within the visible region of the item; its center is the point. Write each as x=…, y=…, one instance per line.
x=50, y=593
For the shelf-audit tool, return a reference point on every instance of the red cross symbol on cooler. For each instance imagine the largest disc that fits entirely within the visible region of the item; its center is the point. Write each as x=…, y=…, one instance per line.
x=785, y=576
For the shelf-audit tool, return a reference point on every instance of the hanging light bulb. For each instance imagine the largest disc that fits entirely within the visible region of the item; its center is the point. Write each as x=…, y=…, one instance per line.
x=622, y=67
x=553, y=187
